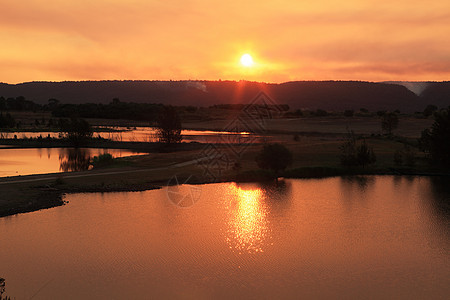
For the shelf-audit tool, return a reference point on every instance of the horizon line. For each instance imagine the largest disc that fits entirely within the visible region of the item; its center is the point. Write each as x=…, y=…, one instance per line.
x=225, y=80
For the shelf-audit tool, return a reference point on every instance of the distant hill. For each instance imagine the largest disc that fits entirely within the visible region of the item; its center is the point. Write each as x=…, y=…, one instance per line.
x=329, y=95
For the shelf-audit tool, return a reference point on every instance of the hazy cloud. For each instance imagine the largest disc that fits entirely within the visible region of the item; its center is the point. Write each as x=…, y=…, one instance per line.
x=199, y=39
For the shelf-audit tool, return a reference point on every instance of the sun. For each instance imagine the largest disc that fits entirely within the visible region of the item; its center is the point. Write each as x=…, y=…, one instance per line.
x=246, y=60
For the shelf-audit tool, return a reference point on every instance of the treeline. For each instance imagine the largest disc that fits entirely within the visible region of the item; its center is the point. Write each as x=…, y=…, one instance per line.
x=117, y=109
x=7, y=121
x=281, y=107
x=113, y=110
x=18, y=104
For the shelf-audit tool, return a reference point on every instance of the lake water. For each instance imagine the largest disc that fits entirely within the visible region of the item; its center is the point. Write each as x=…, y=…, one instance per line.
x=14, y=162
x=149, y=134
x=348, y=238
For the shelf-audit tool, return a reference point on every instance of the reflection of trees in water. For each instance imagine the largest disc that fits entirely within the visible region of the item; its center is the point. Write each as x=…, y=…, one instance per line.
x=440, y=199
x=72, y=160
x=355, y=189
x=362, y=182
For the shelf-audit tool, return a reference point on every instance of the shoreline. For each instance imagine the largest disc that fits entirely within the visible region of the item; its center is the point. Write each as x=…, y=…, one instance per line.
x=51, y=194
x=315, y=158
x=96, y=143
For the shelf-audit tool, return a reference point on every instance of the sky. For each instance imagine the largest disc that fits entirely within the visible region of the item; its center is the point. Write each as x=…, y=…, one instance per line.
x=58, y=40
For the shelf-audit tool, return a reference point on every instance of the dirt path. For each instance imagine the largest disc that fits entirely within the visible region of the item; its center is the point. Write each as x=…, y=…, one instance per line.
x=53, y=176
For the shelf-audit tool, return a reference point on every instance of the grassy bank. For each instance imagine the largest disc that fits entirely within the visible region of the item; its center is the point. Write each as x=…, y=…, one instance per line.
x=314, y=157
x=96, y=143
x=49, y=190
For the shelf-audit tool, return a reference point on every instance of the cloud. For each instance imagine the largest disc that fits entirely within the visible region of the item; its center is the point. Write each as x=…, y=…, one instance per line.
x=199, y=39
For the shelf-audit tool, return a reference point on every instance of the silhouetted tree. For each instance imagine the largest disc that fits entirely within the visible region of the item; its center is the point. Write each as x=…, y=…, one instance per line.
x=53, y=103
x=365, y=155
x=364, y=110
x=398, y=157
x=436, y=141
x=298, y=113
x=2, y=103
x=7, y=121
x=407, y=156
x=429, y=110
x=77, y=130
x=169, y=126
x=356, y=155
x=389, y=122
x=349, y=113
x=275, y=157
x=102, y=160
x=380, y=113
x=348, y=150
x=321, y=113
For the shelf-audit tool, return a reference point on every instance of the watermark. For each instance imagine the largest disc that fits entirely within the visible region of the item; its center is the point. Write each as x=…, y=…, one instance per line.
x=182, y=191
x=216, y=159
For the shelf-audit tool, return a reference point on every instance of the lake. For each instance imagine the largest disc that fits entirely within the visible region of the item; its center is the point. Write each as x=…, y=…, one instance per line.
x=14, y=162
x=148, y=134
x=343, y=237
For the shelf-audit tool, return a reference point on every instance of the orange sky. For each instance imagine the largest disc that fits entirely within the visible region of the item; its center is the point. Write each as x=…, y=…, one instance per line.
x=198, y=39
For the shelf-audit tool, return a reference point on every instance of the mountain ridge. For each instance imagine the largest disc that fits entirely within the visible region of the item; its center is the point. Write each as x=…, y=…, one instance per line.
x=329, y=95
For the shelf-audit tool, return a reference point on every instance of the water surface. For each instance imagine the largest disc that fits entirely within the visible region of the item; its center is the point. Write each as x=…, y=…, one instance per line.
x=359, y=237
x=14, y=162
x=148, y=134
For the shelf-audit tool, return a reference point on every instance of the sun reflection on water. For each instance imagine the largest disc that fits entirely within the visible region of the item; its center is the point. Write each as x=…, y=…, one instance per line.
x=248, y=224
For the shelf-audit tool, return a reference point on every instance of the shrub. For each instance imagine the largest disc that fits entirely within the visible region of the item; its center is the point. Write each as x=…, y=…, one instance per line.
x=436, y=141
x=321, y=113
x=76, y=130
x=102, y=160
x=275, y=157
x=389, y=122
x=429, y=110
x=169, y=126
x=398, y=158
x=349, y=113
x=353, y=154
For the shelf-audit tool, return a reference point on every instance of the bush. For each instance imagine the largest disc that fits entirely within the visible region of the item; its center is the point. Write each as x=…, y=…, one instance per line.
x=365, y=155
x=7, y=121
x=356, y=155
x=398, y=158
x=275, y=157
x=102, y=160
x=349, y=113
x=429, y=110
x=380, y=113
x=364, y=110
x=169, y=126
x=321, y=113
x=389, y=122
x=76, y=130
x=436, y=141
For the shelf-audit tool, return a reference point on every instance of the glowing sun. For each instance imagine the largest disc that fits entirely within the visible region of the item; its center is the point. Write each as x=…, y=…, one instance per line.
x=246, y=60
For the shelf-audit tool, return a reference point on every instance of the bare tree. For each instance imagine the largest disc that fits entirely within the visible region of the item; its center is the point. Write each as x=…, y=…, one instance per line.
x=169, y=126
x=389, y=122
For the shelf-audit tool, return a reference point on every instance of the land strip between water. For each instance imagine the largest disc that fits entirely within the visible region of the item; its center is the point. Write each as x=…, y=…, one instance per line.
x=313, y=157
